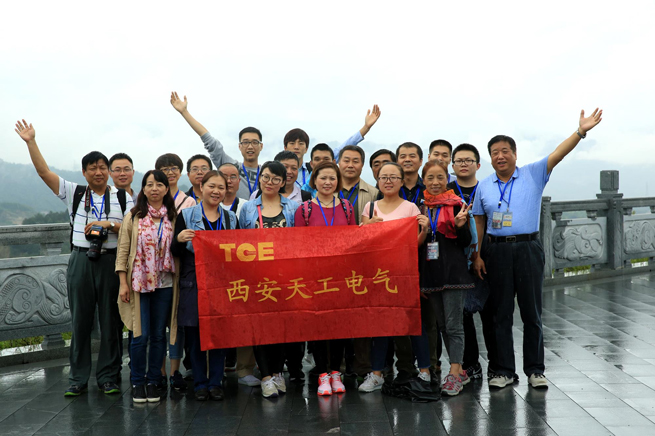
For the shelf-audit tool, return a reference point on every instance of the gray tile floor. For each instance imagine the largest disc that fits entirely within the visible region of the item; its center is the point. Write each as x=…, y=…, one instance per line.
x=600, y=362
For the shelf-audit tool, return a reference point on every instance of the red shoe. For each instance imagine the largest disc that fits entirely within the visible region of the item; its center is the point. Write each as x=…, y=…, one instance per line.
x=324, y=387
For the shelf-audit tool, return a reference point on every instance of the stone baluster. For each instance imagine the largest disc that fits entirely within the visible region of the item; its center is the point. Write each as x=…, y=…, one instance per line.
x=609, y=191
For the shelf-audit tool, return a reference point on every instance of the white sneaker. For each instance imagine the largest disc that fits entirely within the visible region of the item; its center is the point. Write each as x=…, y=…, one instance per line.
x=538, y=381
x=268, y=389
x=280, y=384
x=337, y=384
x=500, y=381
x=249, y=380
x=371, y=383
x=324, y=386
x=425, y=376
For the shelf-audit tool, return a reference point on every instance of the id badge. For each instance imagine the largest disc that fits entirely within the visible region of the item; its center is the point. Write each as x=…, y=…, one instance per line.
x=507, y=219
x=433, y=251
x=497, y=220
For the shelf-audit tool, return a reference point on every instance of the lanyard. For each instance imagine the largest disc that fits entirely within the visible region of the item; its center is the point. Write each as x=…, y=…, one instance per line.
x=102, y=208
x=323, y=213
x=502, y=193
x=220, y=221
x=461, y=194
x=418, y=192
x=304, y=171
x=261, y=222
x=354, y=188
x=433, y=224
x=159, y=231
x=250, y=187
x=176, y=194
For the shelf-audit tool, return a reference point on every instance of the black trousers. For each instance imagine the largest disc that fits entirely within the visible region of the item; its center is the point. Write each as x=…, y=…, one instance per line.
x=337, y=348
x=270, y=358
x=471, y=349
x=293, y=353
x=516, y=269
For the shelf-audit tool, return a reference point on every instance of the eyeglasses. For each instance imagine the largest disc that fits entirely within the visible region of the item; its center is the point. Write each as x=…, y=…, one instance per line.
x=232, y=178
x=460, y=162
x=169, y=170
x=249, y=143
x=274, y=181
x=197, y=170
x=125, y=170
x=392, y=179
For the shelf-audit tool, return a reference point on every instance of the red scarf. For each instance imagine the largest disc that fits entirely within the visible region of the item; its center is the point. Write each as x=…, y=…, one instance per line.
x=446, y=221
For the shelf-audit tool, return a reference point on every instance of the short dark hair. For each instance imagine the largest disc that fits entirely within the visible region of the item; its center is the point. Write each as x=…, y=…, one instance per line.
x=294, y=135
x=466, y=147
x=287, y=155
x=321, y=147
x=140, y=208
x=92, y=158
x=250, y=130
x=441, y=142
x=501, y=138
x=356, y=148
x=322, y=166
x=210, y=174
x=402, y=171
x=379, y=153
x=431, y=164
x=120, y=156
x=277, y=169
x=169, y=160
x=409, y=145
x=196, y=157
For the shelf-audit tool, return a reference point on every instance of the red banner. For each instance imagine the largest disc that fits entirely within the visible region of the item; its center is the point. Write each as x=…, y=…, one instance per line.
x=298, y=284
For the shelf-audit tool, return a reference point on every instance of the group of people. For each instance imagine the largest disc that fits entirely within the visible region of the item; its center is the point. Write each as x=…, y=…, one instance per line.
x=132, y=257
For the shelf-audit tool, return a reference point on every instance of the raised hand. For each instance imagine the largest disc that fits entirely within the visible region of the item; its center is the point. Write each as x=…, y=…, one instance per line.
x=25, y=131
x=586, y=124
x=372, y=116
x=177, y=103
x=462, y=216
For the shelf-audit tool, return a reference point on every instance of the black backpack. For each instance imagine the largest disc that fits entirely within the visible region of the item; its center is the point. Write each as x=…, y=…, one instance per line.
x=78, y=195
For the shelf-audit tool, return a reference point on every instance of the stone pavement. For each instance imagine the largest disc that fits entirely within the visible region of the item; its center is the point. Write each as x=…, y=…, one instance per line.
x=600, y=362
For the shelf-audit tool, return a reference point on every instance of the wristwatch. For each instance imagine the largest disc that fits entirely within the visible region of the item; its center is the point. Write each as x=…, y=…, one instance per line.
x=112, y=225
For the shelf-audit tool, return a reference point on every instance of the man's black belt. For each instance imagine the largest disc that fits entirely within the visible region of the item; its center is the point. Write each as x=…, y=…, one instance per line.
x=103, y=251
x=515, y=238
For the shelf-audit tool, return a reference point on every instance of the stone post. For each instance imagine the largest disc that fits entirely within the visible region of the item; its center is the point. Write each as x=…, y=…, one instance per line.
x=52, y=341
x=609, y=191
x=546, y=235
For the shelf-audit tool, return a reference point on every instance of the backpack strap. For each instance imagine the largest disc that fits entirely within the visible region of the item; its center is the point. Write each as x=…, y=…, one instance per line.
x=181, y=203
x=346, y=209
x=304, y=195
x=372, y=210
x=78, y=195
x=122, y=200
x=306, y=211
x=226, y=219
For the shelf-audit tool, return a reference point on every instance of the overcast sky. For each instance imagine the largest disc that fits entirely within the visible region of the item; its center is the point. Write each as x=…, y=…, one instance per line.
x=99, y=76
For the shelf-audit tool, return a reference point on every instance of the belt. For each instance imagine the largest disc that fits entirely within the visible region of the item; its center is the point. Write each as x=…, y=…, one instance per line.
x=515, y=238
x=103, y=251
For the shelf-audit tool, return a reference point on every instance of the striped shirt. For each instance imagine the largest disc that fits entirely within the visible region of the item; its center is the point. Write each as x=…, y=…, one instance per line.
x=66, y=192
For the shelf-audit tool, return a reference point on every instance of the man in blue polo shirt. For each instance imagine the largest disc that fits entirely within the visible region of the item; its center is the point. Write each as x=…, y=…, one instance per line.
x=512, y=257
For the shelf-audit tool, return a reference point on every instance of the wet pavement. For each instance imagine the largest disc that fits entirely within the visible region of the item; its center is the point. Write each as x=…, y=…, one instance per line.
x=600, y=363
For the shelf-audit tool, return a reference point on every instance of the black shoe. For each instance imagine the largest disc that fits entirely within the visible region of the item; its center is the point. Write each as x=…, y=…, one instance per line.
x=349, y=370
x=110, y=388
x=474, y=371
x=297, y=376
x=139, y=394
x=162, y=385
x=177, y=381
x=74, y=391
x=216, y=394
x=202, y=394
x=152, y=393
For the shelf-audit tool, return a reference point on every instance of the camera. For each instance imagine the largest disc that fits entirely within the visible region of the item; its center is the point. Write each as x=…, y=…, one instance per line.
x=96, y=237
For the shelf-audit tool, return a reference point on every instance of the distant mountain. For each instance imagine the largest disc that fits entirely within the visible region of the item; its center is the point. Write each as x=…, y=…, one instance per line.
x=24, y=194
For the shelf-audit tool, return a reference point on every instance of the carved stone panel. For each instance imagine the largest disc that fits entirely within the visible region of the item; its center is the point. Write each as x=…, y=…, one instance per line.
x=26, y=301
x=581, y=242
x=639, y=236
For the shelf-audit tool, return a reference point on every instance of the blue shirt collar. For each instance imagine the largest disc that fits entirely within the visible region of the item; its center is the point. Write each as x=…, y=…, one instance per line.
x=514, y=176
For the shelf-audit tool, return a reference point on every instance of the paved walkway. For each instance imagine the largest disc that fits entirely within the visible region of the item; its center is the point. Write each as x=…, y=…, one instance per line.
x=600, y=361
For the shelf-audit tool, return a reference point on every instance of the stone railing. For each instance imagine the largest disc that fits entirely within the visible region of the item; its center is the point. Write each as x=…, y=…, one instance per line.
x=33, y=295
x=606, y=240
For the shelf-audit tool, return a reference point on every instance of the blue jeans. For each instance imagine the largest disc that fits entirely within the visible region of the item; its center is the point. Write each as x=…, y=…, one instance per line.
x=176, y=351
x=155, y=307
x=199, y=361
x=420, y=346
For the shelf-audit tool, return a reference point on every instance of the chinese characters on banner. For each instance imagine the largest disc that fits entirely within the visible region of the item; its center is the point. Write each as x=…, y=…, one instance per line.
x=298, y=284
